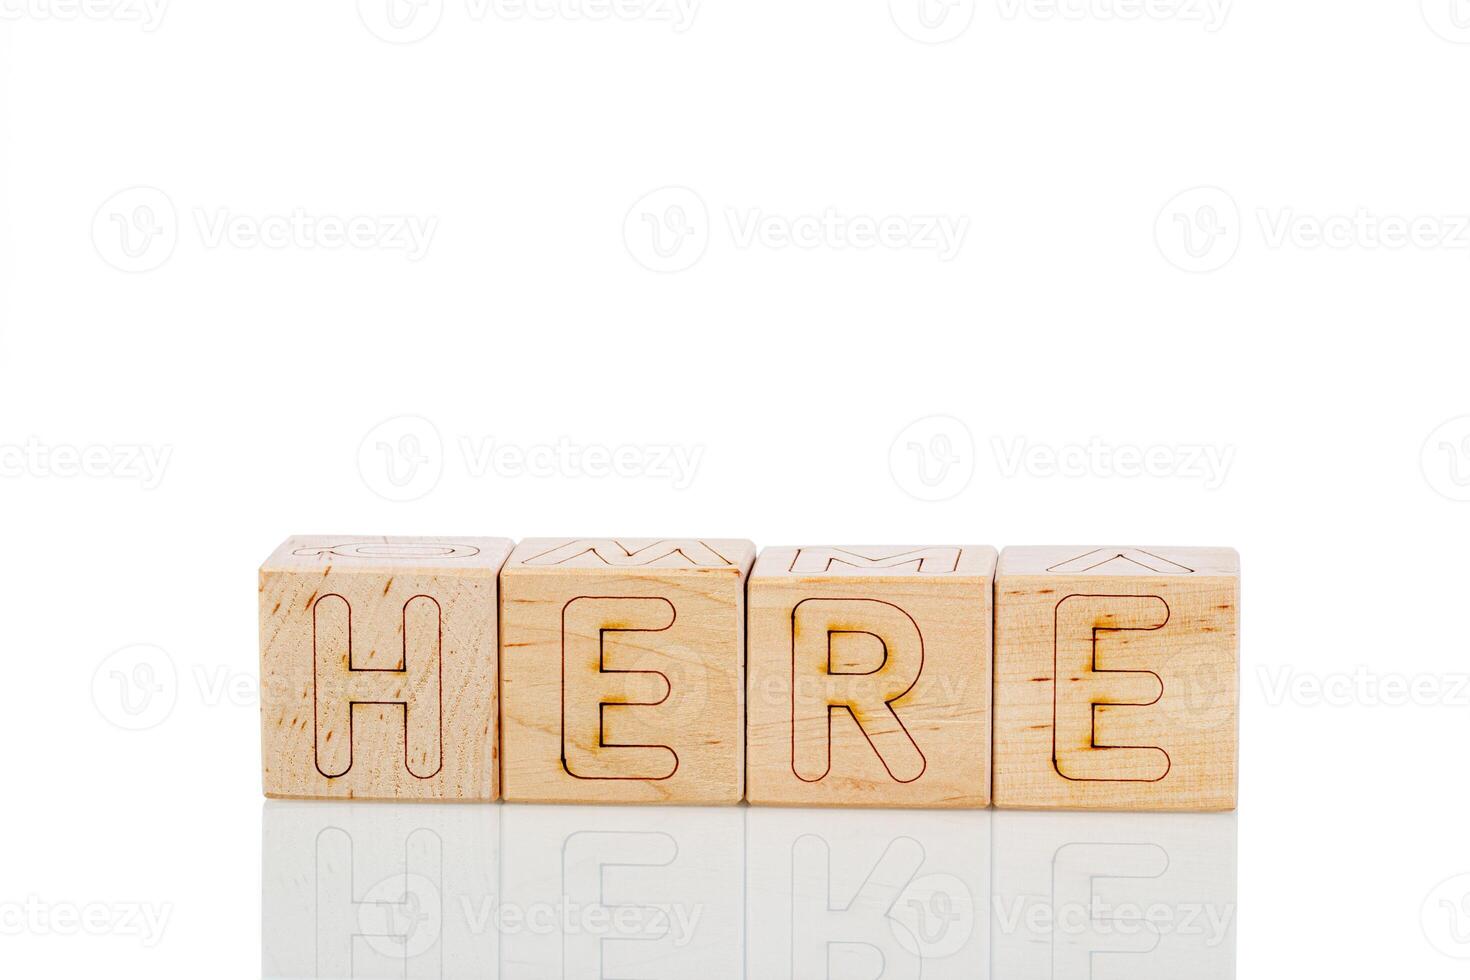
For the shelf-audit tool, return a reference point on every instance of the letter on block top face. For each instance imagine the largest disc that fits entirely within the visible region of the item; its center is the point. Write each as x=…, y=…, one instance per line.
x=378, y=667
x=869, y=676
x=622, y=676
x=1116, y=678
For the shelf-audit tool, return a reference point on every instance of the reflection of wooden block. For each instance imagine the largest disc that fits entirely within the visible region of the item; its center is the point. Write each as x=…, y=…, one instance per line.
x=1116, y=678
x=873, y=893
x=622, y=670
x=870, y=676
x=1141, y=896
x=377, y=667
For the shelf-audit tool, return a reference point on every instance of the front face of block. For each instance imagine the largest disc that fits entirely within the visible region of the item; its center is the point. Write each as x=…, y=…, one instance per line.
x=622, y=670
x=1116, y=678
x=870, y=676
x=378, y=668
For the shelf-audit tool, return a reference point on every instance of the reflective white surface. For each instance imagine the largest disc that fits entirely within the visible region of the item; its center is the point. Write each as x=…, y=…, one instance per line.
x=378, y=890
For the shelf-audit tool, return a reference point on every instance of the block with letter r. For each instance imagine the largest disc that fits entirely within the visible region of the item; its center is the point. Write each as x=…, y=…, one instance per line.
x=869, y=676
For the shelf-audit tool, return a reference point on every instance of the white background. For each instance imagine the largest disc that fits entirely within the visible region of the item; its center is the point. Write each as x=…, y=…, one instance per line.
x=1187, y=231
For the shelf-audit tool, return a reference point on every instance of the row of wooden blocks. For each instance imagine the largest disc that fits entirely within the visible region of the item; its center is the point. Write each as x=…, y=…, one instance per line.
x=692, y=671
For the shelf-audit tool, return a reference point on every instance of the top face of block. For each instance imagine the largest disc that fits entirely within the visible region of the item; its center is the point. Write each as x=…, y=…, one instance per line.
x=877, y=561
x=1120, y=561
x=377, y=554
x=623, y=555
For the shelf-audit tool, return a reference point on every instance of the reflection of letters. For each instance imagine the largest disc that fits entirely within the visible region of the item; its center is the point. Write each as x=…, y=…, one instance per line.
x=1113, y=896
x=377, y=890
x=379, y=926
x=1087, y=922
x=723, y=893
x=848, y=935
x=655, y=893
x=614, y=878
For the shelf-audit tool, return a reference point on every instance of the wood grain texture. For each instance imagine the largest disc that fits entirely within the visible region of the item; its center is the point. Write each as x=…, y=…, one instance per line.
x=1117, y=678
x=870, y=676
x=622, y=670
x=378, y=667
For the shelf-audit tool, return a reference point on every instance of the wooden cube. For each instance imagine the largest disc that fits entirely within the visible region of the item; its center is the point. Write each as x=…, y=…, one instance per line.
x=1117, y=678
x=622, y=670
x=378, y=667
x=870, y=676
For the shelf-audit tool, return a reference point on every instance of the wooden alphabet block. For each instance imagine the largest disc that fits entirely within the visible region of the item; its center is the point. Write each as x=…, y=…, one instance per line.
x=378, y=667
x=622, y=670
x=870, y=676
x=1117, y=678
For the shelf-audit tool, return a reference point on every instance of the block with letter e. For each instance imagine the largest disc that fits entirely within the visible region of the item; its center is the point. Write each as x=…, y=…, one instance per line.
x=1117, y=678
x=870, y=676
x=622, y=676
x=378, y=667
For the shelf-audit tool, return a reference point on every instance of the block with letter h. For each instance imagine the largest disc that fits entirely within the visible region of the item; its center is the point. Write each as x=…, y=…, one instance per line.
x=870, y=676
x=1116, y=678
x=622, y=677
x=378, y=661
